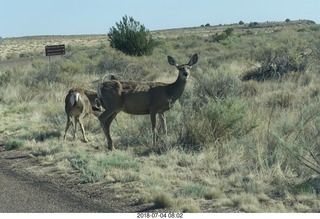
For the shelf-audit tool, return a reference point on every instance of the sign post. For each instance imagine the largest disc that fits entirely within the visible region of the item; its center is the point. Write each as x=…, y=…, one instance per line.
x=55, y=50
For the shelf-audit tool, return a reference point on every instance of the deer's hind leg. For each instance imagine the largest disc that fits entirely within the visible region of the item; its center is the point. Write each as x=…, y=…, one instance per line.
x=106, y=119
x=69, y=122
x=82, y=129
x=75, y=128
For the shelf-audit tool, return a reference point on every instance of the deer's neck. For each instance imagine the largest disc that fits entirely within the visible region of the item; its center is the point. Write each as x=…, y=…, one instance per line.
x=176, y=89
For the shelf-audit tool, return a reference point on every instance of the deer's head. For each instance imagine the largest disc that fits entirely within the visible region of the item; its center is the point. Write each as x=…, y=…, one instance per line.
x=184, y=69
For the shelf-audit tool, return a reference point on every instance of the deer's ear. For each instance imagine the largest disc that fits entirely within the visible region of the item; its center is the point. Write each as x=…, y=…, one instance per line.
x=112, y=77
x=172, y=61
x=97, y=103
x=193, y=60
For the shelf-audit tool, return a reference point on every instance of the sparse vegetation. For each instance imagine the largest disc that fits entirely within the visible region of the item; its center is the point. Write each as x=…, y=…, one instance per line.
x=244, y=136
x=218, y=37
x=12, y=144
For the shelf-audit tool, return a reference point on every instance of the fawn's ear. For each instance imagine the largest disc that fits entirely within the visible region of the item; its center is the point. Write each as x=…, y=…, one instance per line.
x=112, y=77
x=193, y=60
x=97, y=105
x=172, y=61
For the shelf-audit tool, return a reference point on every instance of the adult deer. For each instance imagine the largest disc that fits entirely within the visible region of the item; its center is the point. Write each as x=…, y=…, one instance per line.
x=141, y=98
x=78, y=104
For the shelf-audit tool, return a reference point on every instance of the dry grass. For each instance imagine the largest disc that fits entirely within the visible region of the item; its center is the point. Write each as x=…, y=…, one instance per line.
x=246, y=167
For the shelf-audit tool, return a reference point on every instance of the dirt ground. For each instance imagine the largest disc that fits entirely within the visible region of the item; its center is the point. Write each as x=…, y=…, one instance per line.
x=94, y=197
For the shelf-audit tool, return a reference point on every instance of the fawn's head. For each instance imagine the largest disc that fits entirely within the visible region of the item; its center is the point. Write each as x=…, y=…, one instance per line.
x=184, y=69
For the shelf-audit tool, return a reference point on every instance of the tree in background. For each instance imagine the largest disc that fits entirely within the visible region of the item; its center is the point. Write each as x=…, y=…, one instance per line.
x=131, y=37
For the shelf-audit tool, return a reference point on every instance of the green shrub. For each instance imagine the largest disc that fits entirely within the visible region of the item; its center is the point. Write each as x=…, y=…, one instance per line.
x=224, y=117
x=26, y=54
x=217, y=83
x=92, y=169
x=254, y=24
x=12, y=55
x=71, y=67
x=48, y=74
x=218, y=37
x=89, y=172
x=217, y=120
x=50, y=150
x=281, y=99
x=119, y=160
x=4, y=77
x=44, y=135
x=163, y=200
x=12, y=144
x=193, y=190
x=132, y=38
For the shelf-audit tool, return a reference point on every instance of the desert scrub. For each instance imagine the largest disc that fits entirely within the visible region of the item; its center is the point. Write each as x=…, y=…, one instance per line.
x=4, y=78
x=281, y=99
x=249, y=89
x=278, y=59
x=295, y=138
x=218, y=120
x=217, y=83
x=48, y=74
x=93, y=168
x=191, y=189
x=50, y=149
x=13, y=144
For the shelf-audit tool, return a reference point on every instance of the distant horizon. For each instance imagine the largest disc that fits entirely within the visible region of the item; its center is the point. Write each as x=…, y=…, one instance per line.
x=175, y=28
x=20, y=18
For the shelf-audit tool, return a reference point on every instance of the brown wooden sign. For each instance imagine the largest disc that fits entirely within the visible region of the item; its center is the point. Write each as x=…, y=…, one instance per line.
x=55, y=50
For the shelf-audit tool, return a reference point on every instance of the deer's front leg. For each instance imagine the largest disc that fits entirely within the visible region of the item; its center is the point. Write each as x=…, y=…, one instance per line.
x=153, y=127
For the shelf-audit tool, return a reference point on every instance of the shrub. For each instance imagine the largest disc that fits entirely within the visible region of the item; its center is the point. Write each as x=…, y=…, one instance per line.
x=163, y=200
x=218, y=37
x=281, y=99
x=132, y=38
x=193, y=190
x=217, y=83
x=89, y=172
x=254, y=24
x=12, y=144
x=12, y=55
x=48, y=74
x=248, y=89
x=224, y=116
x=275, y=61
x=50, y=150
x=4, y=77
x=94, y=169
x=218, y=120
x=295, y=137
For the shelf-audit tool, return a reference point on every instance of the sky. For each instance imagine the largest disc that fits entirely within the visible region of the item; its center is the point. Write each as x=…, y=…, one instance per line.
x=70, y=17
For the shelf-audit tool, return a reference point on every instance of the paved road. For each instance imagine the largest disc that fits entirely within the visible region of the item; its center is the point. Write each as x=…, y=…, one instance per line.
x=22, y=193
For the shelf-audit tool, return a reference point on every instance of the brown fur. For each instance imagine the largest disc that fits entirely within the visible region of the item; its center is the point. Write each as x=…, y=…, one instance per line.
x=140, y=98
x=78, y=104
